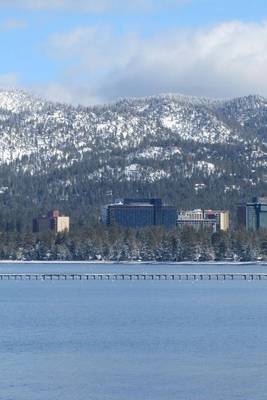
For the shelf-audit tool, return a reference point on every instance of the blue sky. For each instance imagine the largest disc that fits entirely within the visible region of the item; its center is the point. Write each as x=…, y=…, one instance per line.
x=86, y=51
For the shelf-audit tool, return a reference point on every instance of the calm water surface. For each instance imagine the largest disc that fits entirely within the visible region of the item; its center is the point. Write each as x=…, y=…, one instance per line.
x=132, y=340
x=131, y=267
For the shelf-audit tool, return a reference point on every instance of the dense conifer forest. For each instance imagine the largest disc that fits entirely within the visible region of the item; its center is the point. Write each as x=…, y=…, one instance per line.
x=98, y=243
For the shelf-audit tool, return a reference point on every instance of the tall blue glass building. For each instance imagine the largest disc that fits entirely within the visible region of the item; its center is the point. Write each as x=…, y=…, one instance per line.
x=139, y=213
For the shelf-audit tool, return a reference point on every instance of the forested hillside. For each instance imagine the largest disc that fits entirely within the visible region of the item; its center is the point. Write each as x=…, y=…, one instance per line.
x=192, y=152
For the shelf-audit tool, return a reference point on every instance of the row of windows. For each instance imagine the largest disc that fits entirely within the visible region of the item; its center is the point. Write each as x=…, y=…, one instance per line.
x=138, y=217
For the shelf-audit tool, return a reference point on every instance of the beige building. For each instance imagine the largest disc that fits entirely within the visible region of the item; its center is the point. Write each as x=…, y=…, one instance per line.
x=62, y=224
x=224, y=220
x=52, y=221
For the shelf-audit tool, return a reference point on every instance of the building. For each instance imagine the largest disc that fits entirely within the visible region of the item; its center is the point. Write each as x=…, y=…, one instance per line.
x=52, y=221
x=222, y=218
x=204, y=219
x=139, y=213
x=241, y=216
x=197, y=220
x=253, y=216
x=62, y=224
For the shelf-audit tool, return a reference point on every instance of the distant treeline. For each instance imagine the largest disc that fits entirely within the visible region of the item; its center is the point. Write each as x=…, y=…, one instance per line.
x=153, y=244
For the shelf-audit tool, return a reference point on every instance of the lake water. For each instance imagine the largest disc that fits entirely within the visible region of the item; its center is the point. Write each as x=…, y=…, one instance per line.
x=133, y=340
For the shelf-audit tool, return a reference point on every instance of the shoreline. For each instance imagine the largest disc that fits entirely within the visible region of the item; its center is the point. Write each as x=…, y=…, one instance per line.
x=95, y=262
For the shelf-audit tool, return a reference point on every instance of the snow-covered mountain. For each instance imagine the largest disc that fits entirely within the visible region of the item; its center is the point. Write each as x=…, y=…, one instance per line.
x=41, y=132
x=196, y=142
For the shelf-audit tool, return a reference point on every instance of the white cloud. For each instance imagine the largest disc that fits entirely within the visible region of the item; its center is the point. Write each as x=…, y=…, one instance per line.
x=95, y=49
x=91, y=5
x=8, y=81
x=222, y=61
x=13, y=24
x=66, y=92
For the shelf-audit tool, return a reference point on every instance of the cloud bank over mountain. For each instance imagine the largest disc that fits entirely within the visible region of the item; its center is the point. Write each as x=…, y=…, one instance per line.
x=229, y=59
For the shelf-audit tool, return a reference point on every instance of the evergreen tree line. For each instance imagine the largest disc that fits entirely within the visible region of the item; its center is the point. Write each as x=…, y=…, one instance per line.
x=151, y=244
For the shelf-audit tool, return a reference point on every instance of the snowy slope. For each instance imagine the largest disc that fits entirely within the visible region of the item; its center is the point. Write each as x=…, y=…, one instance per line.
x=36, y=135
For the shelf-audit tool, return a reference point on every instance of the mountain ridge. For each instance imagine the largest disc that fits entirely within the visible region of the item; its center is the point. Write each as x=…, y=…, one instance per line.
x=171, y=96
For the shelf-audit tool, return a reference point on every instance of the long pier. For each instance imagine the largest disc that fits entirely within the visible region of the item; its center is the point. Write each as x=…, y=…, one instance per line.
x=135, y=276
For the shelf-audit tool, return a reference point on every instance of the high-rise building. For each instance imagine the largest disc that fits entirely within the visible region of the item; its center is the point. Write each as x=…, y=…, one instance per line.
x=52, y=221
x=253, y=216
x=139, y=213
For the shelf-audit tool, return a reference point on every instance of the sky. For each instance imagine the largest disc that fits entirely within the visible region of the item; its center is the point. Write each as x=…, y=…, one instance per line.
x=95, y=51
